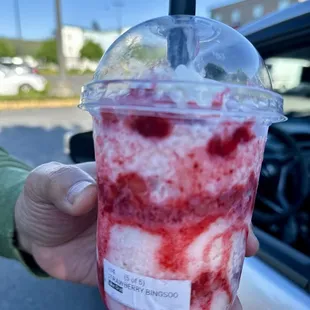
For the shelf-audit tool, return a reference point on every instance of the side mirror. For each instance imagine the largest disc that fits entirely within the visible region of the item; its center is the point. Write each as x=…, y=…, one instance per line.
x=81, y=147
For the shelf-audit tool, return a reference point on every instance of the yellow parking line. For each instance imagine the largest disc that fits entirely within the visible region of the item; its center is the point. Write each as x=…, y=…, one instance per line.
x=37, y=104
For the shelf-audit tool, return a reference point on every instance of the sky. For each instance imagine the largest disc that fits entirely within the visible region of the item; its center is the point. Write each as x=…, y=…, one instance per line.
x=38, y=16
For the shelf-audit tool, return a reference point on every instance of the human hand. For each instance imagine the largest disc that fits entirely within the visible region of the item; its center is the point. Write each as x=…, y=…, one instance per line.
x=56, y=222
x=56, y=217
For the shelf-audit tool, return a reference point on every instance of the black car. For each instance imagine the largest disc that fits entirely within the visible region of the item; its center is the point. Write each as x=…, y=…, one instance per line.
x=282, y=213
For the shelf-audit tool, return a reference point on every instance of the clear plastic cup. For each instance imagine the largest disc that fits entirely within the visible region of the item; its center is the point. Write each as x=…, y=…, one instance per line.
x=178, y=149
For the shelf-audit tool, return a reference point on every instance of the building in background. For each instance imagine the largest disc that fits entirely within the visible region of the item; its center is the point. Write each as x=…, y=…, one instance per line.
x=242, y=12
x=74, y=38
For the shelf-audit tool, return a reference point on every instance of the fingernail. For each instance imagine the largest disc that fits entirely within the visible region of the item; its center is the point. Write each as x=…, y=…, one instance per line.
x=76, y=190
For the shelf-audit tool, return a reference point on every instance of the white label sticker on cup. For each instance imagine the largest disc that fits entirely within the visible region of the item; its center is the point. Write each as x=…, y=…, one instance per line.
x=144, y=293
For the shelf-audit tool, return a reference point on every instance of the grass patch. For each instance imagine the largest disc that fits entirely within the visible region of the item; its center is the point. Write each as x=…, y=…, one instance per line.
x=47, y=72
x=33, y=95
x=69, y=72
x=79, y=72
x=36, y=96
x=47, y=103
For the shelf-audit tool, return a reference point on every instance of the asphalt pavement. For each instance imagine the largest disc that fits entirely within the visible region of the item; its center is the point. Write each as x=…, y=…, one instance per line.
x=21, y=291
x=37, y=136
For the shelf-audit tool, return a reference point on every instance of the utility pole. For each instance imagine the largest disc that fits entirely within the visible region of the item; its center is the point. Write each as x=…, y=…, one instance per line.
x=18, y=27
x=60, y=55
x=120, y=23
x=63, y=88
x=118, y=5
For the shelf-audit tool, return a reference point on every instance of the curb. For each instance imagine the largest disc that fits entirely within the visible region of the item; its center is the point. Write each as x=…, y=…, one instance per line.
x=37, y=104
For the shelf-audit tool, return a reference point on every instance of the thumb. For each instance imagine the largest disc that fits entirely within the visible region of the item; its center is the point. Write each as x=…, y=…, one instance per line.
x=67, y=187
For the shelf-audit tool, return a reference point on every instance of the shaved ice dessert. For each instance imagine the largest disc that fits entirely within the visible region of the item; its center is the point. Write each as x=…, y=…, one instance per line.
x=178, y=158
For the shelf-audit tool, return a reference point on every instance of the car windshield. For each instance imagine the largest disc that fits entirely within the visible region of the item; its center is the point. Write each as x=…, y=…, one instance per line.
x=4, y=69
x=290, y=73
x=49, y=49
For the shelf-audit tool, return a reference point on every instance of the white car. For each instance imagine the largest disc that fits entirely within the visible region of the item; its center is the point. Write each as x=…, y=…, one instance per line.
x=12, y=84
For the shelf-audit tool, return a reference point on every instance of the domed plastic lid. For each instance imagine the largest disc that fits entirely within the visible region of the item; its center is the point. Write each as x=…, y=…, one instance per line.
x=185, y=49
x=211, y=49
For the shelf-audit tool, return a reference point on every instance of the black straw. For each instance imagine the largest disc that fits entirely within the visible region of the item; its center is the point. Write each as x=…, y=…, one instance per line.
x=182, y=7
x=177, y=40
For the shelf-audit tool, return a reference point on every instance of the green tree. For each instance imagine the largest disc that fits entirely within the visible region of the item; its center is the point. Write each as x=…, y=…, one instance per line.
x=91, y=51
x=147, y=53
x=48, y=51
x=7, y=49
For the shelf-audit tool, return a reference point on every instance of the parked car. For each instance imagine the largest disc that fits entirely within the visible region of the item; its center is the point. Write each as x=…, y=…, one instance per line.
x=282, y=213
x=12, y=83
x=18, y=65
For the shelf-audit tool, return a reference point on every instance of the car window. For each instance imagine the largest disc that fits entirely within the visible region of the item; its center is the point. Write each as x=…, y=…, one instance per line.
x=3, y=70
x=290, y=73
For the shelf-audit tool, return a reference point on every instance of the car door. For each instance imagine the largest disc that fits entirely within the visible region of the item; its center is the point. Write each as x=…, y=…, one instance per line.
x=280, y=277
x=283, y=40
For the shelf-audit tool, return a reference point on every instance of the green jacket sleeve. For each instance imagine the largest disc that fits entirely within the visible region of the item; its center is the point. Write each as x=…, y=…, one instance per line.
x=12, y=177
